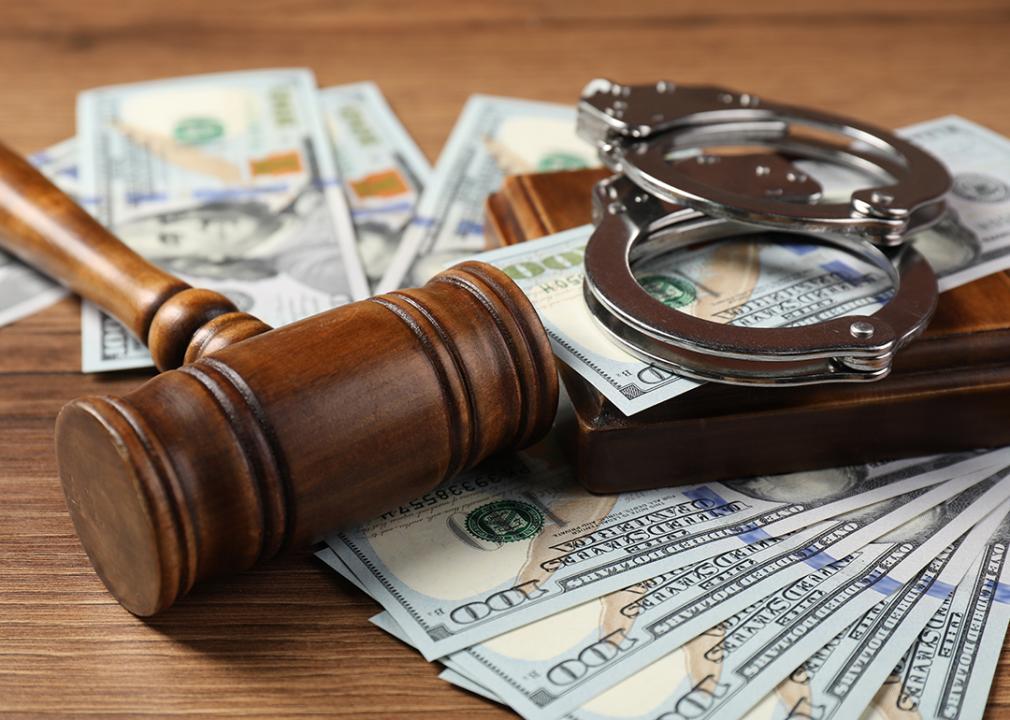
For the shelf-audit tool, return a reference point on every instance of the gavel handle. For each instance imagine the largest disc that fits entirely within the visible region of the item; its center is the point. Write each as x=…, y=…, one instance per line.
x=42, y=226
x=269, y=443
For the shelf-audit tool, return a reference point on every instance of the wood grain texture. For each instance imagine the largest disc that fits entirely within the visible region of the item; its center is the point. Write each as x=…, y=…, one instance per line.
x=290, y=640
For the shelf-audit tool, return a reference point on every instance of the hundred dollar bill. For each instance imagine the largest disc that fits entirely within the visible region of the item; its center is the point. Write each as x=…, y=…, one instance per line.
x=504, y=546
x=946, y=673
x=747, y=660
x=974, y=239
x=760, y=284
x=697, y=679
x=227, y=181
x=900, y=694
x=727, y=579
x=752, y=283
x=549, y=668
x=841, y=679
x=659, y=689
x=492, y=548
x=59, y=164
x=382, y=169
x=24, y=291
x=647, y=693
x=493, y=137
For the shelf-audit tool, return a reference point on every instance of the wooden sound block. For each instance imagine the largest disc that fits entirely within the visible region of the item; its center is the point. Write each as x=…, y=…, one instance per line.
x=950, y=389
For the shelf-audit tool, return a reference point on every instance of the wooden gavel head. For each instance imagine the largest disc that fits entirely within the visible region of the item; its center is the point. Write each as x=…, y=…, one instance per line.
x=266, y=439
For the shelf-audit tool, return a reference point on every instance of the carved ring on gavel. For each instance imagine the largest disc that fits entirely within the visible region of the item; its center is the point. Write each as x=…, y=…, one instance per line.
x=266, y=439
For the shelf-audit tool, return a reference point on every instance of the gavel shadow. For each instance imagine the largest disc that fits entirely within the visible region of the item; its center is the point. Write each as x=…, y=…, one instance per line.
x=292, y=612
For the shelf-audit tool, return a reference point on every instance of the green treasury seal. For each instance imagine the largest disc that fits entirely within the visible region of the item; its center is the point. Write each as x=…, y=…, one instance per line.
x=198, y=130
x=672, y=291
x=560, y=161
x=505, y=521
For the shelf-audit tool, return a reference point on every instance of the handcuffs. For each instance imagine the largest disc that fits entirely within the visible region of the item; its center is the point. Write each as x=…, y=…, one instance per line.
x=669, y=194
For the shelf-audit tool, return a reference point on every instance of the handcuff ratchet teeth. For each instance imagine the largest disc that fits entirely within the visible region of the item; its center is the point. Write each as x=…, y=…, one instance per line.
x=667, y=199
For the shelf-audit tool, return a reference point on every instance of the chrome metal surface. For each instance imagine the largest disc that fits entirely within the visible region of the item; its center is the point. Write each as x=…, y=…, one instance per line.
x=647, y=131
x=632, y=225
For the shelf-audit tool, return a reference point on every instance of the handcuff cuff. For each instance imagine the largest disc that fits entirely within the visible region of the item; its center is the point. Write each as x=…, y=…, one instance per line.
x=669, y=194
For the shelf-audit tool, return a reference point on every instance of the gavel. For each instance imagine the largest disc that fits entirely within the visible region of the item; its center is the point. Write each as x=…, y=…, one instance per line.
x=253, y=440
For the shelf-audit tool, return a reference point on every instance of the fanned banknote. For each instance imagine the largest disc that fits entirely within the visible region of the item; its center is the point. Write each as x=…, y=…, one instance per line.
x=547, y=669
x=840, y=680
x=761, y=284
x=24, y=291
x=711, y=675
x=554, y=545
x=735, y=665
x=499, y=545
x=226, y=180
x=383, y=170
x=973, y=240
x=916, y=563
x=947, y=671
x=493, y=137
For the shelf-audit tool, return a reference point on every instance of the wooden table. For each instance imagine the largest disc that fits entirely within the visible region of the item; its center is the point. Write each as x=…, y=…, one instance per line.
x=291, y=639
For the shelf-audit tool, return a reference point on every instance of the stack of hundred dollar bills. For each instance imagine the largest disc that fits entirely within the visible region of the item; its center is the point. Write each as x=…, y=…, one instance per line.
x=877, y=590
